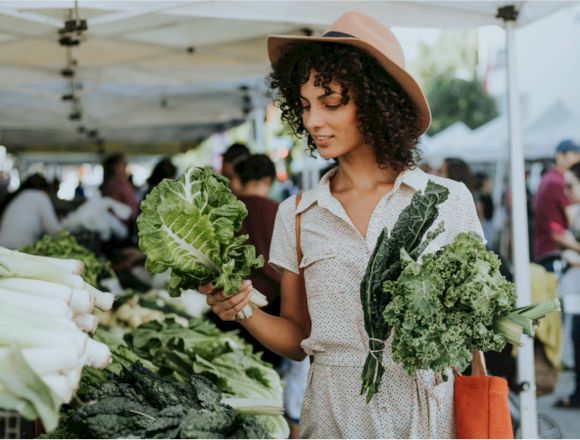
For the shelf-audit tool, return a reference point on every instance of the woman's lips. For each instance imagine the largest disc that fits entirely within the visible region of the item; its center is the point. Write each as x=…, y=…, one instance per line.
x=322, y=141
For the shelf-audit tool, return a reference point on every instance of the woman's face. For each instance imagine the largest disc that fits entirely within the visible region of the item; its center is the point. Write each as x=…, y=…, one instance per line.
x=332, y=124
x=572, y=186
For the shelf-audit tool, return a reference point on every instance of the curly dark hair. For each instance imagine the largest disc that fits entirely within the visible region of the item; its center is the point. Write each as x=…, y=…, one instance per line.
x=386, y=116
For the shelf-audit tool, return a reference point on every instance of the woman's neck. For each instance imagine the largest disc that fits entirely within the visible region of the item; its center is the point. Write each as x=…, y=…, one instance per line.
x=361, y=173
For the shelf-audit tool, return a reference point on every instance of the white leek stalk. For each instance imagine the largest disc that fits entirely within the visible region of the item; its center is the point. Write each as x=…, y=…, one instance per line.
x=86, y=322
x=98, y=354
x=71, y=266
x=14, y=265
x=59, y=386
x=41, y=306
x=80, y=301
x=103, y=300
x=52, y=360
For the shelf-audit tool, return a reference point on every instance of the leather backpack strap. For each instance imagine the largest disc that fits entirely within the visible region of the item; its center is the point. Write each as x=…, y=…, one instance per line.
x=298, y=247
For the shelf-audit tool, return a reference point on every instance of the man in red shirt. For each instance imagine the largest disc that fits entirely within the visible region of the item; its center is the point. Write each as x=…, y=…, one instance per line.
x=550, y=203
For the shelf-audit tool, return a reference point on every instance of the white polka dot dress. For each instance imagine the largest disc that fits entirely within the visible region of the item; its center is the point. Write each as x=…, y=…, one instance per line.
x=335, y=257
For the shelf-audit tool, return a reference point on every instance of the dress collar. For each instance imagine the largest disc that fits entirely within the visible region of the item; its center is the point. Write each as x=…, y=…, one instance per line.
x=414, y=178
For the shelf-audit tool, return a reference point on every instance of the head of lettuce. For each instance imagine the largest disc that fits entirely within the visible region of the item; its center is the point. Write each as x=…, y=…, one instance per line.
x=190, y=226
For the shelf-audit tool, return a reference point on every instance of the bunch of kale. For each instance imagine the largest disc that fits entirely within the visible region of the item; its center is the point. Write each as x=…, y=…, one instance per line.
x=141, y=404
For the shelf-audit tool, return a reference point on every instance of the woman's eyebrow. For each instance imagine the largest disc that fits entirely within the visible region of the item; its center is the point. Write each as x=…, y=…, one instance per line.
x=324, y=95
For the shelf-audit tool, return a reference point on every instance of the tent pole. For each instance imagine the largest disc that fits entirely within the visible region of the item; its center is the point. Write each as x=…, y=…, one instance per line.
x=519, y=224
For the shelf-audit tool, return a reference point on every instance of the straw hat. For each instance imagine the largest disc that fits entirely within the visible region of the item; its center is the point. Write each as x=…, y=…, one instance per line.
x=360, y=30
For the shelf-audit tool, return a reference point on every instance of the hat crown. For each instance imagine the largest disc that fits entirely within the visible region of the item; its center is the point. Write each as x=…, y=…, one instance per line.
x=367, y=29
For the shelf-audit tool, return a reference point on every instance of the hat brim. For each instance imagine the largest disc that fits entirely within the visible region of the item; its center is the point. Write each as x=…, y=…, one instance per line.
x=403, y=78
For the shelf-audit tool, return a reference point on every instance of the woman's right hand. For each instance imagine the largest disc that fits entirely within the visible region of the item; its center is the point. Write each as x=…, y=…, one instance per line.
x=227, y=308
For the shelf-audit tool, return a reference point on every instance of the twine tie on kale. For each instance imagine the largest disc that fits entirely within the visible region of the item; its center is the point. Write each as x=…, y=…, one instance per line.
x=374, y=351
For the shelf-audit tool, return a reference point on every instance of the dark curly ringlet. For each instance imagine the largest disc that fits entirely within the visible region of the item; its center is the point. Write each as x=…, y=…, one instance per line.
x=386, y=116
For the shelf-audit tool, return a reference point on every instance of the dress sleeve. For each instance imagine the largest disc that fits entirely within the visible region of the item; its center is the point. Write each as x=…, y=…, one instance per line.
x=469, y=219
x=283, y=246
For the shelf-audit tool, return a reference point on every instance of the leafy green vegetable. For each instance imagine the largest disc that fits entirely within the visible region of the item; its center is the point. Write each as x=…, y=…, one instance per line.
x=385, y=265
x=64, y=245
x=190, y=226
x=141, y=404
x=181, y=353
x=449, y=305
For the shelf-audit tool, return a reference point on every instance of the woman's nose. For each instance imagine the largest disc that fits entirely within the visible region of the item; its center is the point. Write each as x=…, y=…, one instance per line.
x=312, y=120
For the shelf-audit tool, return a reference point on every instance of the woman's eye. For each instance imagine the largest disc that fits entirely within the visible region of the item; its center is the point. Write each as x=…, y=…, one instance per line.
x=305, y=108
x=332, y=106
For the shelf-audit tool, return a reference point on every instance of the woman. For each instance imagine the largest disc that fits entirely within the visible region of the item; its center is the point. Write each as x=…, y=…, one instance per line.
x=116, y=184
x=349, y=93
x=27, y=214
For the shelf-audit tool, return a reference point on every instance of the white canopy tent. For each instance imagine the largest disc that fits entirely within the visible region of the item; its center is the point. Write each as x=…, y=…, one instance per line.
x=152, y=63
x=448, y=142
x=489, y=143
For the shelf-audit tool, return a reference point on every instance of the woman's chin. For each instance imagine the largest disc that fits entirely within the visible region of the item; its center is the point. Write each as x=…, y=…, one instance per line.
x=327, y=153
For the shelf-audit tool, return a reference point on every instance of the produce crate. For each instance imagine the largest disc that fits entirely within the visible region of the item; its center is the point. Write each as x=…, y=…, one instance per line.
x=13, y=425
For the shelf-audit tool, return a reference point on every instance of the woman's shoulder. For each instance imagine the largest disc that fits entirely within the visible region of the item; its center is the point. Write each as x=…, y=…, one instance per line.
x=457, y=190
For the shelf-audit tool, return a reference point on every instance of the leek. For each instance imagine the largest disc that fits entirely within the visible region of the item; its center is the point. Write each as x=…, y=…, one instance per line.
x=70, y=266
x=13, y=265
x=87, y=323
x=80, y=301
x=50, y=360
x=103, y=300
x=35, y=305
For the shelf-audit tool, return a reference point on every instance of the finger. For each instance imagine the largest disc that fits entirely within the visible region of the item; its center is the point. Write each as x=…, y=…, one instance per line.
x=206, y=288
x=215, y=297
x=231, y=314
x=226, y=304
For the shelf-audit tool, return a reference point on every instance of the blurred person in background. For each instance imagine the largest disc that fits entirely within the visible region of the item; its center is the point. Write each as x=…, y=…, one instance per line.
x=484, y=203
x=458, y=170
x=116, y=184
x=133, y=256
x=550, y=205
x=27, y=214
x=569, y=241
x=233, y=155
x=163, y=170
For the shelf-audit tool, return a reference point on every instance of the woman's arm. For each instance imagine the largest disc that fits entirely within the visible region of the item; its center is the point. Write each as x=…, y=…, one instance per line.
x=280, y=334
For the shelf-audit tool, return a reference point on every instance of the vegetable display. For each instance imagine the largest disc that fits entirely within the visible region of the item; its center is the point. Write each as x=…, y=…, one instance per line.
x=64, y=245
x=138, y=403
x=189, y=225
x=45, y=317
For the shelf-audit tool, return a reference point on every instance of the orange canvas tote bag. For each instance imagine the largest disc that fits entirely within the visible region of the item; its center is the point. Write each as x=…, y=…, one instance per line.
x=481, y=404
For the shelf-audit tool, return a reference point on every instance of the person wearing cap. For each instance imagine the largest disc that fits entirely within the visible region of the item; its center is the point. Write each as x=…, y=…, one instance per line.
x=349, y=94
x=550, y=204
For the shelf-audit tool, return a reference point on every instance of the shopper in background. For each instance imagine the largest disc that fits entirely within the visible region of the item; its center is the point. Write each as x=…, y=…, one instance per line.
x=569, y=241
x=116, y=184
x=163, y=170
x=458, y=170
x=132, y=256
x=484, y=202
x=550, y=206
x=233, y=155
x=27, y=214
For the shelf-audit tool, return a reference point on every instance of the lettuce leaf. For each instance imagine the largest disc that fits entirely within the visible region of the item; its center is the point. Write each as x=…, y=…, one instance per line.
x=190, y=225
